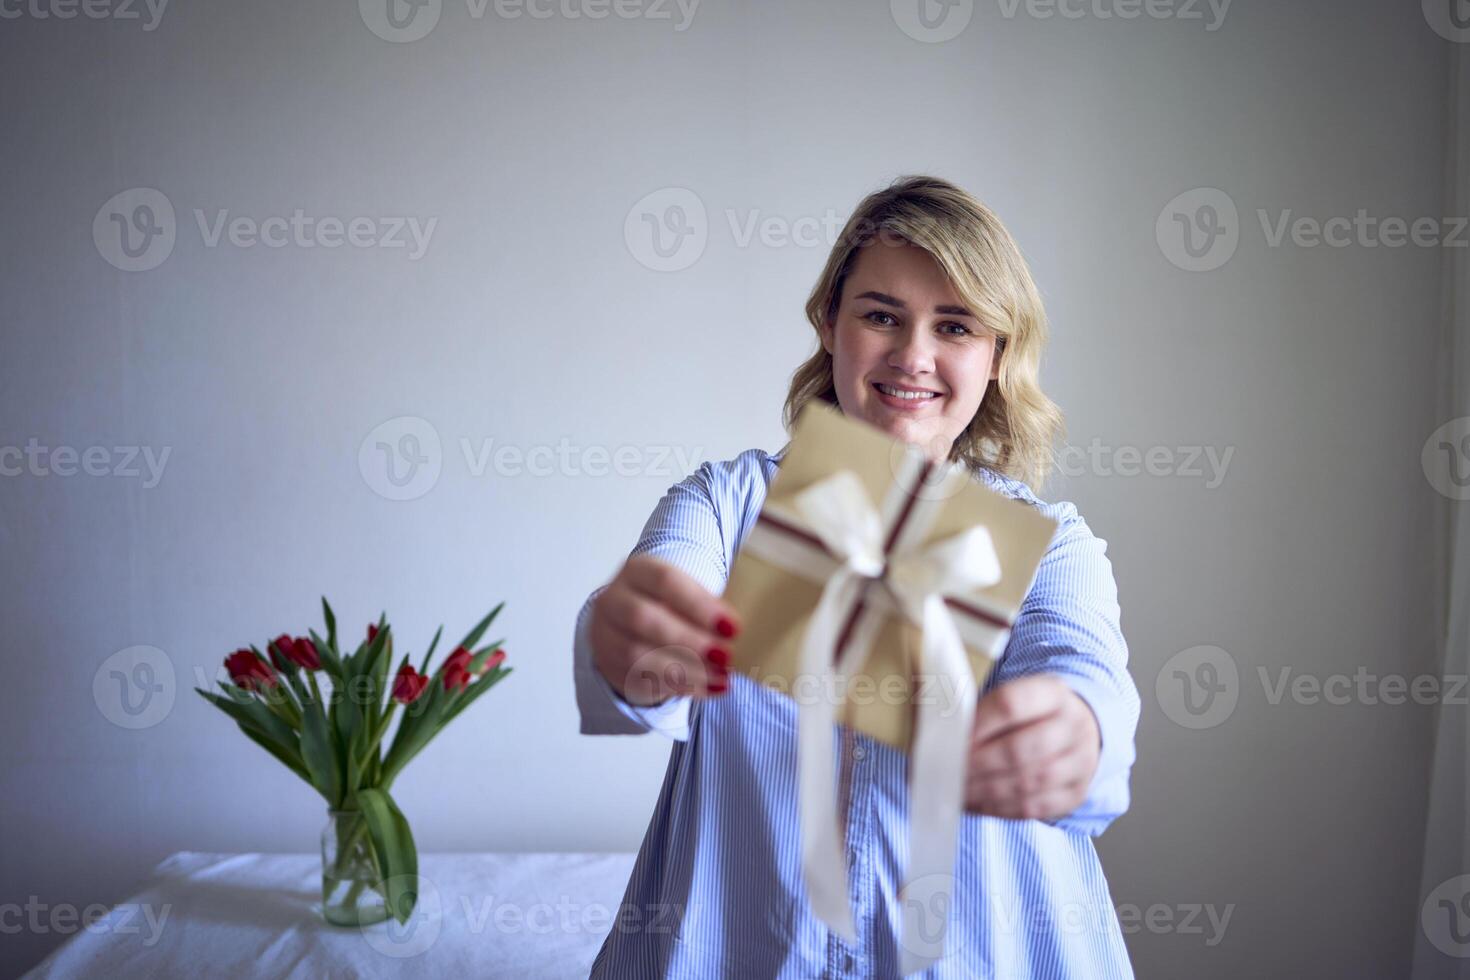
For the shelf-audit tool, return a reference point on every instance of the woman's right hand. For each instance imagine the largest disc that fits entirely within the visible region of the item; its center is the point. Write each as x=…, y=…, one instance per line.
x=657, y=633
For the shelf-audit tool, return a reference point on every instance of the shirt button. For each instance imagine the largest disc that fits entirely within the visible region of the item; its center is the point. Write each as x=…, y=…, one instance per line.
x=859, y=753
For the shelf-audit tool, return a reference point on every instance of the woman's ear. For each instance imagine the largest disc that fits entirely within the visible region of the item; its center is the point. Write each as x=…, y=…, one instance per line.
x=826, y=332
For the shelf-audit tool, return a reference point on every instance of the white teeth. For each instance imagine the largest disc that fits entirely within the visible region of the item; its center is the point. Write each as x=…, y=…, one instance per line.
x=906, y=395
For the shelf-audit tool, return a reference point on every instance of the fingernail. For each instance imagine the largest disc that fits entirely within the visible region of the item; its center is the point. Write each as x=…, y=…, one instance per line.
x=718, y=656
x=719, y=686
x=725, y=626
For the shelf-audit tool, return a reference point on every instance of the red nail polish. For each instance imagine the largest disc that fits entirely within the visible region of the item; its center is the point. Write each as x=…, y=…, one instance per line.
x=718, y=656
x=719, y=687
x=725, y=627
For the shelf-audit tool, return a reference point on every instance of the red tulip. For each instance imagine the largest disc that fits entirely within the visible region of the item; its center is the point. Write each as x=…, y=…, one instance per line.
x=457, y=674
x=277, y=650
x=372, y=632
x=408, y=685
x=460, y=656
x=456, y=678
x=306, y=653
x=300, y=651
x=250, y=672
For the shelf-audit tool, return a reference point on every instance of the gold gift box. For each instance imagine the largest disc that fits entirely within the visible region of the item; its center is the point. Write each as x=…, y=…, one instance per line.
x=775, y=604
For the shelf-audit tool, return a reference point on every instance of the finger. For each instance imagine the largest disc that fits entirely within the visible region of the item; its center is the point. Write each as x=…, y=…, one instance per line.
x=1061, y=772
x=652, y=674
x=1029, y=745
x=1047, y=805
x=1015, y=703
x=653, y=670
x=683, y=594
x=649, y=622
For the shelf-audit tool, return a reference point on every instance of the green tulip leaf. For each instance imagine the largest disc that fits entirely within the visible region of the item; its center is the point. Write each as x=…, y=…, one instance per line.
x=331, y=623
x=474, y=635
x=424, y=667
x=398, y=860
x=320, y=753
x=241, y=704
x=476, y=689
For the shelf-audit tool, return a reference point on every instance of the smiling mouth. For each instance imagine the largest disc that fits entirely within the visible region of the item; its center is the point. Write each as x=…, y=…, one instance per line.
x=914, y=397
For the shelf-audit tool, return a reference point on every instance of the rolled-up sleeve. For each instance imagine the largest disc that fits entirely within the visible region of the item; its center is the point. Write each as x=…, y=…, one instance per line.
x=684, y=530
x=1069, y=625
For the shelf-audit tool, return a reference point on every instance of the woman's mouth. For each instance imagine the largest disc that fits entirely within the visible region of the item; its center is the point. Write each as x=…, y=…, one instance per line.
x=904, y=399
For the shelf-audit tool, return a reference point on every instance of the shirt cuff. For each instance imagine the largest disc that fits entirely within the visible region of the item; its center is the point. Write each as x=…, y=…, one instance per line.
x=670, y=717
x=1108, y=793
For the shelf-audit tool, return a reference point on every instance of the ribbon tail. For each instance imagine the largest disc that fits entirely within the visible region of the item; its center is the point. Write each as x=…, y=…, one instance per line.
x=824, y=864
x=936, y=788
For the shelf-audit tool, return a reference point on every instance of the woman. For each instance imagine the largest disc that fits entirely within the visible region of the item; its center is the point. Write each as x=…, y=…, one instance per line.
x=931, y=329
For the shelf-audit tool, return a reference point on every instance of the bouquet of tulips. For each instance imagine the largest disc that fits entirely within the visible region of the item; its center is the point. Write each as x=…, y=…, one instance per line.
x=334, y=740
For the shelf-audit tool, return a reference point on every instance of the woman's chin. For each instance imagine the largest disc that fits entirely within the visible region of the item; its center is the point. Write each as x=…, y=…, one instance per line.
x=934, y=445
x=915, y=431
x=909, y=430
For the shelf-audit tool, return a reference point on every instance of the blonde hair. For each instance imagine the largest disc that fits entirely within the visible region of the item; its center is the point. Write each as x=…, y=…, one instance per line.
x=1015, y=428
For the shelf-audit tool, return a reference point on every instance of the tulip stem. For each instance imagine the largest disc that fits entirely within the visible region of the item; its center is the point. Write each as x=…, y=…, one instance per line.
x=345, y=849
x=376, y=742
x=350, y=899
x=383, y=728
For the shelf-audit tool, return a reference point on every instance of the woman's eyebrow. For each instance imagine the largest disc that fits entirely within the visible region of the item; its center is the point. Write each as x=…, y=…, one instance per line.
x=895, y=301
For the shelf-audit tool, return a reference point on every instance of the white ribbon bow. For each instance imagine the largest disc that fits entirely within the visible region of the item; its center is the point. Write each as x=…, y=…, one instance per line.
x=838, y=511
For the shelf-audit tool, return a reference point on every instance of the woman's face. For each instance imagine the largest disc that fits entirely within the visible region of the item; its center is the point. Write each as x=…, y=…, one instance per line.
x=900, y=325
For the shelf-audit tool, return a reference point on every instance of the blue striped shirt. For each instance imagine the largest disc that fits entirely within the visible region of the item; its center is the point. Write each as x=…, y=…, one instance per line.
x=717, y=888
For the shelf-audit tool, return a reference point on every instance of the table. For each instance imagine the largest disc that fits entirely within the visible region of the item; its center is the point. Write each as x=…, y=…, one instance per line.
x=229, y=915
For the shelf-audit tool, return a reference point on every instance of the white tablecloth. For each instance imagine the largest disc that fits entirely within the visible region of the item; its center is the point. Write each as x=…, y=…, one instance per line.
x=229, y=915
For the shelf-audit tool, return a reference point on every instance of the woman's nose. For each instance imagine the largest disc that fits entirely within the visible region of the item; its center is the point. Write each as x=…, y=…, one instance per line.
x=912, y=353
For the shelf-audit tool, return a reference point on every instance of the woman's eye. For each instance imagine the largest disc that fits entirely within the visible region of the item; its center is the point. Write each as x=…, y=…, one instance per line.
x=883, y=318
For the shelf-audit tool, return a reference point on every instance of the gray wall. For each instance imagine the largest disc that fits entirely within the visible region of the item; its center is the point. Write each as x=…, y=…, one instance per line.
x=539, y=316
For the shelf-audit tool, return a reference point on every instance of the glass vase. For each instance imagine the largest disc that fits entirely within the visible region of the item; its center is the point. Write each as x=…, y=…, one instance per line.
x=352, y=892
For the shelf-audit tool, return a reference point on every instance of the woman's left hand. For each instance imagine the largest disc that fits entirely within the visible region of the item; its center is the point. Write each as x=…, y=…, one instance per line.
x=1033, y=750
